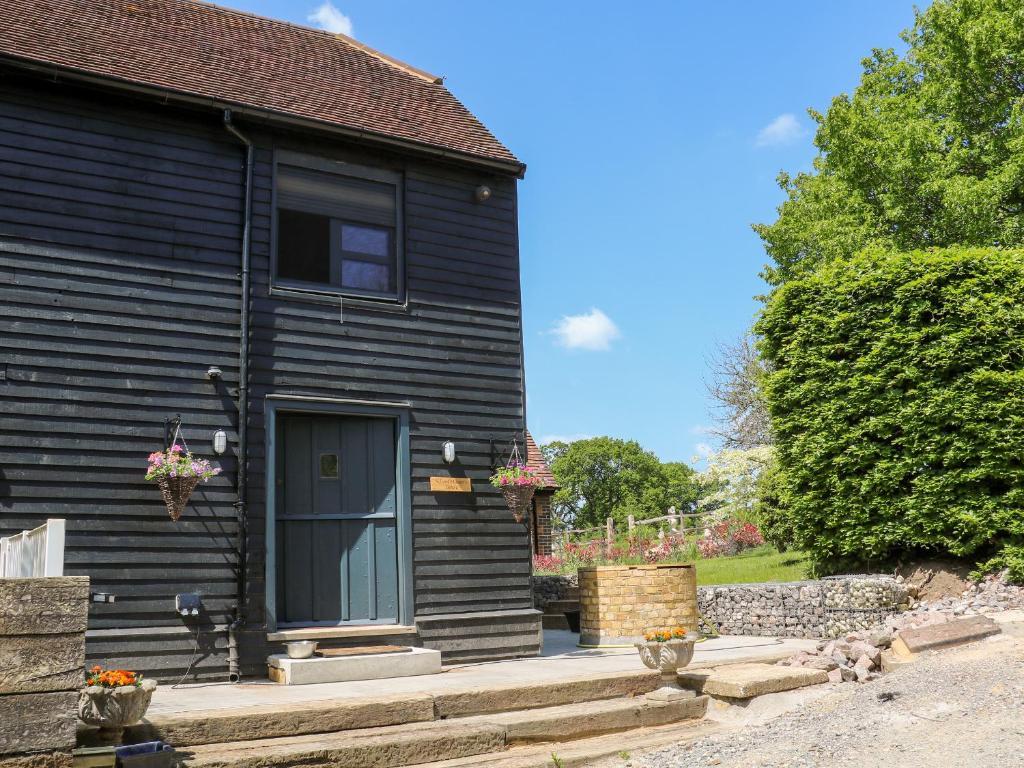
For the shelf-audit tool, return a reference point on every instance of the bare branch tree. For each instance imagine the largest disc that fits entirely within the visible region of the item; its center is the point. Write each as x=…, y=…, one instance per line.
x=737, y=374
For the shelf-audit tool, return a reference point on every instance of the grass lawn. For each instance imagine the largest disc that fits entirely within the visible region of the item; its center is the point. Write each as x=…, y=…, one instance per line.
x=761, y=564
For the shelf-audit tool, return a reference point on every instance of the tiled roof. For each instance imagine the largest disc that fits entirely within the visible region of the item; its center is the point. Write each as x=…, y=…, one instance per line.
x=535, y=461
x=238, y=59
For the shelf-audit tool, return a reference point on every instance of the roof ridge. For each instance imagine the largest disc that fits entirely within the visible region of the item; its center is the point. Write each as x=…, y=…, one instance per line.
x=422, y=74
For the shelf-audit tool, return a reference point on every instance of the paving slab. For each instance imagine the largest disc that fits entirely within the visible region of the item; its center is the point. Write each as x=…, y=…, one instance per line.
x=913, y=641
x=561, y=665
x=744, y=681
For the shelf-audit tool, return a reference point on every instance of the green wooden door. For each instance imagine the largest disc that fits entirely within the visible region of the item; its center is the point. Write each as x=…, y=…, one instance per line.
x=336, y=517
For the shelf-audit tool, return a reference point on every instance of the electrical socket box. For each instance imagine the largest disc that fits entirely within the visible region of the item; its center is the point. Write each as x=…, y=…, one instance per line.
x=188, y=603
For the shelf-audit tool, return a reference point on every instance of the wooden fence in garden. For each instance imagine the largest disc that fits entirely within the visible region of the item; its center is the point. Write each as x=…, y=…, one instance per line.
x=607, y=531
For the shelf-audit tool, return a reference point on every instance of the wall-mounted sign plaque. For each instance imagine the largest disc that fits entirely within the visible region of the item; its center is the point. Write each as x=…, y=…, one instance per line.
x=451, y=484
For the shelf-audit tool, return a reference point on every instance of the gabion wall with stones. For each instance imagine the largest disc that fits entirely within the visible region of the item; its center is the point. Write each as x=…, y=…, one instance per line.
x=826, y=608
x=548, y=588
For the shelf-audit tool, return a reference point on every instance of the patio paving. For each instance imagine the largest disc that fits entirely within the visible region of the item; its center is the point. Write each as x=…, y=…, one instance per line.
x=561, y=661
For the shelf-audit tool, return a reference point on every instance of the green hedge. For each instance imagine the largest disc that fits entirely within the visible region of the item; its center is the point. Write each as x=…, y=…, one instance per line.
x=897, y=400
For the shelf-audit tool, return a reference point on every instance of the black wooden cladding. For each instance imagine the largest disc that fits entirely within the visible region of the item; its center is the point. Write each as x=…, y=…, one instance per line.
x=120, y=240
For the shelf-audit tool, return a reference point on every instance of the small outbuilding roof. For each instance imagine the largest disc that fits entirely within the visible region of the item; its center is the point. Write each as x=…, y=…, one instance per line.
x=230, y=58
x=535, y=461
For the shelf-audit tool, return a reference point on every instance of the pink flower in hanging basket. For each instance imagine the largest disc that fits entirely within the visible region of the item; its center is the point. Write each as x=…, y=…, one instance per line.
x=177, y=472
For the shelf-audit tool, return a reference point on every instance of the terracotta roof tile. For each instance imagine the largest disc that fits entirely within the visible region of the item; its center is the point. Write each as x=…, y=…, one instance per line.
x=535, y=461
x=236, y=58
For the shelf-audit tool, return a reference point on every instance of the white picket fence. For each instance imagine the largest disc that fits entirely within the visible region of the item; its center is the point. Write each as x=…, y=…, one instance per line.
x=35, y=553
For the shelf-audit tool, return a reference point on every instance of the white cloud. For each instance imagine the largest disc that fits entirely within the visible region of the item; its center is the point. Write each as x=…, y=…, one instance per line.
x=330, y=19
x=784, y=129
x=592, y=330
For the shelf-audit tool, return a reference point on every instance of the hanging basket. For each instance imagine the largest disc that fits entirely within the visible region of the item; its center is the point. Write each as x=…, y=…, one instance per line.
x=176, y=492
x=518, y=498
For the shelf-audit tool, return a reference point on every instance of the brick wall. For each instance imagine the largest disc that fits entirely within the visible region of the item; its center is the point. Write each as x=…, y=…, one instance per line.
x=620, y=603
x=541, y=522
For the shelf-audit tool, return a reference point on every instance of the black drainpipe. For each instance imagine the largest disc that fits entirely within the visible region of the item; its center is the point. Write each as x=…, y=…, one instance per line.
x=243, y=404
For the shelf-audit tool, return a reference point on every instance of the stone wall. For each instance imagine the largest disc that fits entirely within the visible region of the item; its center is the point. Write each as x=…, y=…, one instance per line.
x=42, y=660
x=825, y=608
x=548, y=588
x=619, y=603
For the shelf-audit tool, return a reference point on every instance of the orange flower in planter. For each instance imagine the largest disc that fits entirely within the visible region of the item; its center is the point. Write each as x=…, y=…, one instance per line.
x=664, y=635
x=113, y=678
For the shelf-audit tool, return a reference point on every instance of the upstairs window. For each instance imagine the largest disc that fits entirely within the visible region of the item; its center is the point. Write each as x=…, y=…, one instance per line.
x=337, y=228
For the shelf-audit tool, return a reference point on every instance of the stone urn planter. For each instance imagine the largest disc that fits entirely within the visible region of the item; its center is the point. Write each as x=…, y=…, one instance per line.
x=114, y=708
x=668, y=658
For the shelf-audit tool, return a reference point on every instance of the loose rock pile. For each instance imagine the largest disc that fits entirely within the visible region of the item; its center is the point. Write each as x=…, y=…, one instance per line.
x=857, y=656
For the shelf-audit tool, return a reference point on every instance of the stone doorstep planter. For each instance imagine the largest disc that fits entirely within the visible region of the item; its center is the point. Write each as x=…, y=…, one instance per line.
x=114, y=708
x=668, y=658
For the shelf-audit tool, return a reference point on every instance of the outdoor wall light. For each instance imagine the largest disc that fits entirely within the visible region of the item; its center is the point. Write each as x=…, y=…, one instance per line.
x=220, y=441
x=482, y=193
x=213, y=373
x=448, y=452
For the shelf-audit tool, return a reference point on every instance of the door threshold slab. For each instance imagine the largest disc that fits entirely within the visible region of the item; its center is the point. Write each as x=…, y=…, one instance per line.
x=339, y=633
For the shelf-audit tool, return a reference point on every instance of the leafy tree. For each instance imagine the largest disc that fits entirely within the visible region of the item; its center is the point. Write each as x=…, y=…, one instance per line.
x=927, y=152
x=604, y=477
x=737, y=376
x=682, y=486
x=895, y=397
x=731, y=482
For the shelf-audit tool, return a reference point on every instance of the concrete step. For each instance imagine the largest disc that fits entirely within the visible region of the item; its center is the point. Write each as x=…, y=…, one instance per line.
x=585, y=751
x=554, y=621
x=402, y=745
x=223, y=725
x=561, y=606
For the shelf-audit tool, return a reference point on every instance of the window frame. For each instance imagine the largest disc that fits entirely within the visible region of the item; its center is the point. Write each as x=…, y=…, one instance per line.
x=330, y=291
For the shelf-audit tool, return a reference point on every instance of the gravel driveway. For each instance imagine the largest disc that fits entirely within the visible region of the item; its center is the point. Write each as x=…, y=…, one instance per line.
x=956, y=708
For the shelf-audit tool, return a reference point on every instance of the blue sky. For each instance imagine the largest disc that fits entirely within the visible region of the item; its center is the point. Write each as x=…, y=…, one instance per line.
x=652, y=139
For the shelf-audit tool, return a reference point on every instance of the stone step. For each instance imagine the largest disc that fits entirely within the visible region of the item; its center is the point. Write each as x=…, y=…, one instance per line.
x=554, y=621
x=745, y=681
x=367, y=748
x=910, y=642
x=583, y=752
x=561, y=606
x=402, y=745
x=270, y=721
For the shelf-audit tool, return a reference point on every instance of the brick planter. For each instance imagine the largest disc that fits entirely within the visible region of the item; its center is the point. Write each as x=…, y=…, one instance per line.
x=619, y=603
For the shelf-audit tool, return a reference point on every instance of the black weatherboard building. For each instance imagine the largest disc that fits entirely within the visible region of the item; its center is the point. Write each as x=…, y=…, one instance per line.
x=282, y=234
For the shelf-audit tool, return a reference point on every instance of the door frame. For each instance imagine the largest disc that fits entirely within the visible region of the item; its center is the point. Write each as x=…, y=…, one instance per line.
x=287, y=405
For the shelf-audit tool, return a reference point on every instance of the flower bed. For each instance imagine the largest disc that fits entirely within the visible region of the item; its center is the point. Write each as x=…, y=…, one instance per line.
x=728, y=537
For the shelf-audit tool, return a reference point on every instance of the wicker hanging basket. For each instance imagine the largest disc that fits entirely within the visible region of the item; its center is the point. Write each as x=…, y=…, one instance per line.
x=176, y=492
x=518, y=498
